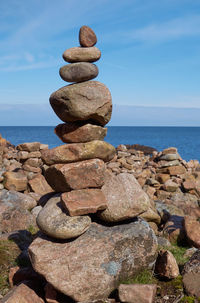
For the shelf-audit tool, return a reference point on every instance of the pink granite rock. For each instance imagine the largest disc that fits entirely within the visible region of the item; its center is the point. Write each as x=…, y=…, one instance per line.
x=83, y=201
x=78, y=175
x=134, y=293
x=90, y=267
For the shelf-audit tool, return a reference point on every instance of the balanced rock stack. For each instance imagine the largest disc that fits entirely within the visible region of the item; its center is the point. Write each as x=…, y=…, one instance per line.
x=88, y=259
x=77, y=169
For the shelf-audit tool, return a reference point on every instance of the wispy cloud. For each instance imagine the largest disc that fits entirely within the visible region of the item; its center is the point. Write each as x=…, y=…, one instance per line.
x=187, y=26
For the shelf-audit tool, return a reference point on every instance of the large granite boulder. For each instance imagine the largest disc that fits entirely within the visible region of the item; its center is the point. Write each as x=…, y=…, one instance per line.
x=89, y=100
x=55, y=222
x=93, y=265
x=74, y=152
x=125, y=198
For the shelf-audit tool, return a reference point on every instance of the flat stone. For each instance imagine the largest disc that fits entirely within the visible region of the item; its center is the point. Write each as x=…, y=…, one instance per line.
x=175, y=170
x=134, y=293
x=29, y=146
x=169, y=150
x=125, y=198
x=54, y=221
x=91, y=266
x=192, y=230
x=78, y=152
x=22, y=294
x=166, y=265
x=89, y=100
x=84, y=201
x=39, y=185
x=82, y=54
x=170, y=157
x=78, y=72
x=15, y=181
x=78, y=175
x=79, y=133
x=87, y=37
x=191, y=275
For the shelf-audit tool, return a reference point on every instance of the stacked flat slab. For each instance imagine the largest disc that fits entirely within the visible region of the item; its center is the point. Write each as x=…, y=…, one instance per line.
x=77, y=169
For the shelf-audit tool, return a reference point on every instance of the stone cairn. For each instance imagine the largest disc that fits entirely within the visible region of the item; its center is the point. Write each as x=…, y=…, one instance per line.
x=88, y=259
x=77, y=169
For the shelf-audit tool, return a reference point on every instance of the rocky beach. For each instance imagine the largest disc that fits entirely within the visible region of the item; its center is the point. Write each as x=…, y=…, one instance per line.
x=88, y=222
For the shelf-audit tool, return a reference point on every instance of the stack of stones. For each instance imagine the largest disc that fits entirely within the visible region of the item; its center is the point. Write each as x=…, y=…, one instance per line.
x=77, y=169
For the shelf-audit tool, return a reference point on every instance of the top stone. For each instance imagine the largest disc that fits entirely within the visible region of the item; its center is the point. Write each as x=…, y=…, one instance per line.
x=87, y=37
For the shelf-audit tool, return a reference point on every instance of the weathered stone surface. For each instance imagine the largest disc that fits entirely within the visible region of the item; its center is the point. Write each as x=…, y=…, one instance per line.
x=15, y=199
x=192, y=230
x=78, y=132
x=78, y=72
x=170, y=186
x=125, y=198
x=14, y=214
x=89, y=100
x=32, y=169
x=87, y=36
x=29, y=146
x=15, y=181
x=166, y=265
x=84, y=201
x=191, y=275
x=54, y=221
x=78, y=175
x=22, y=294
x=134, y=293
x=82, y=54
x=170, y=150
x=79, y=151
x=176, y=170
x=93, y=264
x=170, y=157
x=39, y=185
x=35, y=162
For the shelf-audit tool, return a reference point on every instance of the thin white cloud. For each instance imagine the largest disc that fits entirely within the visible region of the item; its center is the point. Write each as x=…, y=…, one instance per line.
x=173, y=29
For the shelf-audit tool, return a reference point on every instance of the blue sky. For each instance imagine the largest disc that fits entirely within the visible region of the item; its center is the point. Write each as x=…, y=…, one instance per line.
x=150, y=49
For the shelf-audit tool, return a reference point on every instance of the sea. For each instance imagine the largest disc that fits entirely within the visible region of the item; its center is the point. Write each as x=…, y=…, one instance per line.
x=186, y=139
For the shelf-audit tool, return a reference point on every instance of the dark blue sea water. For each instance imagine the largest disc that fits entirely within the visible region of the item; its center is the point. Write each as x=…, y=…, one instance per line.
x=186, y=139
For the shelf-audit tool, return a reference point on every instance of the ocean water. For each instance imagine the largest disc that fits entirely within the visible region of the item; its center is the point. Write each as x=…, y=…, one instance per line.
x=186, y=139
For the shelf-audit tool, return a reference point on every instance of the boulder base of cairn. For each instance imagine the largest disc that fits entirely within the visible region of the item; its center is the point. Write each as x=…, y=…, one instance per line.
x=80, y=133
x=89, y=100
x=54, y=221
x=79, y=151
x=78, y=72
x=78, y=175
x=82, y=54
x=125, y=198
x=91, y=266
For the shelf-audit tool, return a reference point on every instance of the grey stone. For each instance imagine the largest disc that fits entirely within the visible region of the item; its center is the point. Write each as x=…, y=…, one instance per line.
x=54, y=221
x=78, y=72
